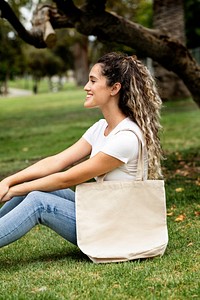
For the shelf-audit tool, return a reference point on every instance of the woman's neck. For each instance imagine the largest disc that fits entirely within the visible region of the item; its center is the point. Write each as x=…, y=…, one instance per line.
x=113, y=117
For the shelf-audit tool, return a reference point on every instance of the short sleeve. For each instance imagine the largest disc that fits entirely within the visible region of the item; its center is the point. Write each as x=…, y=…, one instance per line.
x=92, y=131
x=122, y=145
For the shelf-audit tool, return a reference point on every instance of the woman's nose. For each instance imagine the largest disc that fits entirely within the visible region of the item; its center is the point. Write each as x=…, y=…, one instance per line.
x=86, y=87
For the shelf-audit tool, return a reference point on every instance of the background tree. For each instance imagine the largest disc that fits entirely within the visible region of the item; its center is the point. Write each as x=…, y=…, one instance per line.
x=43, y=63
x=62, y=48
x=192, y=24
x=135, y=10
x=72, y=48
x=80, y=55
x=11, y=56
x=168, y=16
x=12, y=62
x=91, y=18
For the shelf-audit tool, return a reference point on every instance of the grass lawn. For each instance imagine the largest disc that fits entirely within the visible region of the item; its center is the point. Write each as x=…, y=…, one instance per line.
x=42, y=265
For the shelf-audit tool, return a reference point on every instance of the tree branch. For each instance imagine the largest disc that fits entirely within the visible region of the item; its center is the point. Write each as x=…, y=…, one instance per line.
x=41, y=23
x=35, y=39
x=97, y=6
x=69, y=9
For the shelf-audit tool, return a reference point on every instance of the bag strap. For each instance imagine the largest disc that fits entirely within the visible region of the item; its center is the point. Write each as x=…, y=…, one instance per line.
x=140, y=174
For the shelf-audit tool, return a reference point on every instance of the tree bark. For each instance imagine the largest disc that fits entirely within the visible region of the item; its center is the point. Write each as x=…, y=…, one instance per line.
x=81, y=65
x=94, y=20
x=168, y=15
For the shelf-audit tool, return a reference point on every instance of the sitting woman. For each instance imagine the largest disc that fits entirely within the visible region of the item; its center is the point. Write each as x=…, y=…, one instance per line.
x=123, y=89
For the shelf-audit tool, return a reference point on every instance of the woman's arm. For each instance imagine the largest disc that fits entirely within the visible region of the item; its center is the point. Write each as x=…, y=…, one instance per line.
x=47, y=166
x=100, y=164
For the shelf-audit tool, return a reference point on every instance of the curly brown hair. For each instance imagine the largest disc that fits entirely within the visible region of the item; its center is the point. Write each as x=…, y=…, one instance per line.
x=139, y=100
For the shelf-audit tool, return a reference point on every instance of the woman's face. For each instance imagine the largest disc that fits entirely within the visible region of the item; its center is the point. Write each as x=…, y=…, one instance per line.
x=98, y=92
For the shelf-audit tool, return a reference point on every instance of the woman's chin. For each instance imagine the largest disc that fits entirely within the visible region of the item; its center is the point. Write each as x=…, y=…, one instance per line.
x=89, y=104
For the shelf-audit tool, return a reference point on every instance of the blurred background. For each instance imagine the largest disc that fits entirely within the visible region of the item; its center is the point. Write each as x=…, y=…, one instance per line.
x=24, y=66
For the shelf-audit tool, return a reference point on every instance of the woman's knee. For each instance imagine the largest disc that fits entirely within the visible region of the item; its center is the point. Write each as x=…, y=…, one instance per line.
x=36, y=195
x=34, y=205
x=42, y=201
x=34, y=200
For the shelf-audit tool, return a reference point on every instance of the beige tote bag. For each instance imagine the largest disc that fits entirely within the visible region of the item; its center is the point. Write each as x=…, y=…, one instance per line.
x=122, y=220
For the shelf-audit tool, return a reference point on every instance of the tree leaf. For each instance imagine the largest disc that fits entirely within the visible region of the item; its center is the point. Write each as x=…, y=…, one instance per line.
x=180, y=218
x=179, y=190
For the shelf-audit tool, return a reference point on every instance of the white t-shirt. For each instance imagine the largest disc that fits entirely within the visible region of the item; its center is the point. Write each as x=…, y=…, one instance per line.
x=121, y=143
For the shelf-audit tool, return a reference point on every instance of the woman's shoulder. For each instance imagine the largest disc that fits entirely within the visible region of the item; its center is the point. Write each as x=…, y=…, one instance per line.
x=96, y=127
x=99, y=124
x=129, y=125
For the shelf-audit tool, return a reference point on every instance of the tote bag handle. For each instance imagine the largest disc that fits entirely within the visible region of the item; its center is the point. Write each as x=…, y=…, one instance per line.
x=140, y=174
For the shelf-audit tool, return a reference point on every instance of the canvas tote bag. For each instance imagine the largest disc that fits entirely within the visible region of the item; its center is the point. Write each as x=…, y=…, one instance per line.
x=122, y=220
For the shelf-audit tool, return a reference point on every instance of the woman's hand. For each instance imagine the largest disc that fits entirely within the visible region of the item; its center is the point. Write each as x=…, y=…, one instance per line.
x=7, y=196
x=4, y=188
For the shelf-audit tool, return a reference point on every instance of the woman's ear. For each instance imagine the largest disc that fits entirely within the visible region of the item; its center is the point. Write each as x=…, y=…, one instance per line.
x=115, y=88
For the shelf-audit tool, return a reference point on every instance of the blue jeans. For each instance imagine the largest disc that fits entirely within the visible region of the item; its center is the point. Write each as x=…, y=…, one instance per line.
x=55, y=210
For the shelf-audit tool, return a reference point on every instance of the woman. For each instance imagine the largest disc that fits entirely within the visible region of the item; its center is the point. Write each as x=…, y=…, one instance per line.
x=123, y=89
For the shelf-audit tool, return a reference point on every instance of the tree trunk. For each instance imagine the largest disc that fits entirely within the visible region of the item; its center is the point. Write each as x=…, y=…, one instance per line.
x=5, y=84
x=80, y=53
x=169, y=17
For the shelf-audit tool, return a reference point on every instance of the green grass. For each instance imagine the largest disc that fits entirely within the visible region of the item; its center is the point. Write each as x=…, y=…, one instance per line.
x=44, y=266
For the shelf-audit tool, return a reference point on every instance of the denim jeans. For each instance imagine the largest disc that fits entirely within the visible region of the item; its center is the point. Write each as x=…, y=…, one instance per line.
x=55, y=210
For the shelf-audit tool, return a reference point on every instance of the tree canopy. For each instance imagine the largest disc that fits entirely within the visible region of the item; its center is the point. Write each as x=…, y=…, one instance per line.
x=91, y=17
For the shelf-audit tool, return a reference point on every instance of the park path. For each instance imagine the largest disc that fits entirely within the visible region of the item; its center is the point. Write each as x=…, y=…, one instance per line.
x=12, y=92
x=18, y=92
